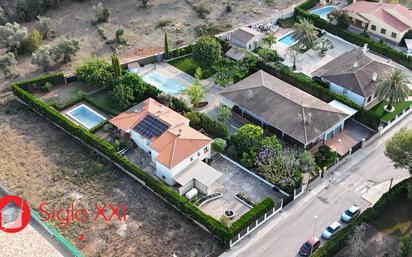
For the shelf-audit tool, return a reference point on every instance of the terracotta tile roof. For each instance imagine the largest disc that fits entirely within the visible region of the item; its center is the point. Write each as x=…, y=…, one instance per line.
x=128, y=119
x=177, y=144
x=394, y=15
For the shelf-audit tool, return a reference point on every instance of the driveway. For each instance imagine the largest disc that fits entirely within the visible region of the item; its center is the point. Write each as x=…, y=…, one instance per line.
x=310, y=61
x=234, y=180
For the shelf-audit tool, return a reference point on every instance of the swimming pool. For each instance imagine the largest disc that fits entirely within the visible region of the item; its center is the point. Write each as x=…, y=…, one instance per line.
x=85, y=116
x=287, y=39
x=163, y=83
x=324, y=11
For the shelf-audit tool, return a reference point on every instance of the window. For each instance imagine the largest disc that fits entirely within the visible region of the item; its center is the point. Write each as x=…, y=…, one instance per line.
x=191, y=158
x=163, y=177
x=206, y=149
x=393, y=35
x=369, y=99
x=373, y=27
x=383, y=31
x=345, y=91
x=250, y=46
x=198, y=153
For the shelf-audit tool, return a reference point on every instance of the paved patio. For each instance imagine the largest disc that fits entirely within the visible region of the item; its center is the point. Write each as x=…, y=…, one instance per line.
x=234, y=180
x=310, y=61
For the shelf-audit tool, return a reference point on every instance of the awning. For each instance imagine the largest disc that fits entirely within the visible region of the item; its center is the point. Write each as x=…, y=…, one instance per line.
x=343, y=107
x=199, y=171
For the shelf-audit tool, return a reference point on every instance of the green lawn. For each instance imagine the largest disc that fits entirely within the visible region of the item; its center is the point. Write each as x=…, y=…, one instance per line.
x=388, y=116
x=188, y=65
x=104, y=101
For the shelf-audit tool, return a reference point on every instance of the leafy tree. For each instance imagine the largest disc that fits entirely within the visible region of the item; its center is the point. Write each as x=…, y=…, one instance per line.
x=399, y=149
x=43, y=25
x=219, y=145
x=195, y=93
x=339, y=18
x=207, y=51
x=166, y=45
x=269, y=40
x=11, y=36
x=228, y=71
x=246, y=139
x=7, y=64
x=31, y=43
x=27, y=10
x=323, y=45
x=394, y=88
x=66, y=48
x=119, y=36
x=271, y=141
x=102, y=13
x=43, y=57
x=269, y=55
x=405, y=246
x=224, y=114
x=117, y=69
x=248, y=158
x=251, y=131
x=305, y=32
x=141, y=90
x=123, y=94
x=307, y=163
x=95, y=72
x=3, y=17
x=293, y=52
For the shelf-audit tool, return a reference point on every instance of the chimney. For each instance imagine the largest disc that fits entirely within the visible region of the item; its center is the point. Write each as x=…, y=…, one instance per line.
x=179, y=132
x=365, y=48
x=374, y=76
x=355, y=64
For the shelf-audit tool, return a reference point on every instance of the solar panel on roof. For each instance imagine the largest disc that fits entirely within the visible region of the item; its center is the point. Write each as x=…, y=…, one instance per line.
x=151, y=127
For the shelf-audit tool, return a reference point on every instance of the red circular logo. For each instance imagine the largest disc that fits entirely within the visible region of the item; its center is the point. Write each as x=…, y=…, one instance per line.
x=20, y=220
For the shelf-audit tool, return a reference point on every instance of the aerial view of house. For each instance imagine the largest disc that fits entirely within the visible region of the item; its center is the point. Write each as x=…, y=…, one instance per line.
x=190, y=128
x=387, y=20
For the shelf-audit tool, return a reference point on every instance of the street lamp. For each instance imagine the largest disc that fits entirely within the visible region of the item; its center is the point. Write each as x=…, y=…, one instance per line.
x=314, y=232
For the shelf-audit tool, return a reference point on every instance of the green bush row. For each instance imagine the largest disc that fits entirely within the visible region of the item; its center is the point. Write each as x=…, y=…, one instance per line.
x=177, y=52
x=321, y=91
x=380, y=48
x=221, y=231
x=53, y=78
x=338, y=242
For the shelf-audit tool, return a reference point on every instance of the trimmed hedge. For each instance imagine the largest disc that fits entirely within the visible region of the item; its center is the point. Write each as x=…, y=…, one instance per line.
x=177, y=52
x=321, y=91
x=53, y=78
x=356, y=39
x=221, y=231
x=338, y=242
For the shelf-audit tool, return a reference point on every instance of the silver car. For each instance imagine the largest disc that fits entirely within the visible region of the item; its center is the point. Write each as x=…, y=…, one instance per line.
x=350, y=214
x=331, y=230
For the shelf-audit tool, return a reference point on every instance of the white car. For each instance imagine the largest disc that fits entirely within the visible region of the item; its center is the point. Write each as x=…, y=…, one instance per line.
x=350, y=214
x=331, y=230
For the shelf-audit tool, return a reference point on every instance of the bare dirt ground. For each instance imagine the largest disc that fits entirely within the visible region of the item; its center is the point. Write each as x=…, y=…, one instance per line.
x=141, y=25
x=42, y=163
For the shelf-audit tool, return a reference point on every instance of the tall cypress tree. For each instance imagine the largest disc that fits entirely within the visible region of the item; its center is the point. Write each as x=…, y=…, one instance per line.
x=166, y=45
x=116, y=66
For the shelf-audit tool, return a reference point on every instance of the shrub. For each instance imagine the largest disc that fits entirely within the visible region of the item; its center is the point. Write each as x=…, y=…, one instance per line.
x=325, y=157
x=211, y=126
x=7, y=64
x=43, y=25
x=12, y=35
x=47, y=87
x=96, y=72
x=203, y=8
x=219, y=145
x=268, y=54
x=43, y=57
x=102, y=13
x=207, y=51
x=31, y=43
x=119, y=36
x=163, y=23
x=66, y=49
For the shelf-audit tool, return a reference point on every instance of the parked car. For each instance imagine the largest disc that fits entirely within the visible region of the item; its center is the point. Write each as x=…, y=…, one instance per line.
x=350, y=214
x=331, y=230
x=310, y=246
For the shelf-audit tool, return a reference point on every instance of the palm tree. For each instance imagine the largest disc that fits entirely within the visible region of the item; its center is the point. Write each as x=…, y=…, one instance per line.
x=305, y=32
x=394, y=89
x=270, y=40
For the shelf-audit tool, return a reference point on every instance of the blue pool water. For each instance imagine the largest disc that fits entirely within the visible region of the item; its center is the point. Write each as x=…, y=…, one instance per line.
x=323, y=12
x=287, y=39
x=86, y=116
x=163, y=83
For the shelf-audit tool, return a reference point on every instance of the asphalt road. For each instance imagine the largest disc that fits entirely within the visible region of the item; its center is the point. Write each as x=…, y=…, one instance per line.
x=353, y=182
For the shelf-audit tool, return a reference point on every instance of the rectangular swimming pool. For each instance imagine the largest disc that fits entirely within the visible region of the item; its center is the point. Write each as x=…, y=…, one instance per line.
x=85, y=116
x=162, y=82
x=287, y=39
x=324, y=11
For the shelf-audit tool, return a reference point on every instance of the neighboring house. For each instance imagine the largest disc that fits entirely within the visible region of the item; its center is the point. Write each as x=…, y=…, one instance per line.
x=285, y=110
x=173, y=145
x=246, y=38
x=355, y=76
x=388, y=20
